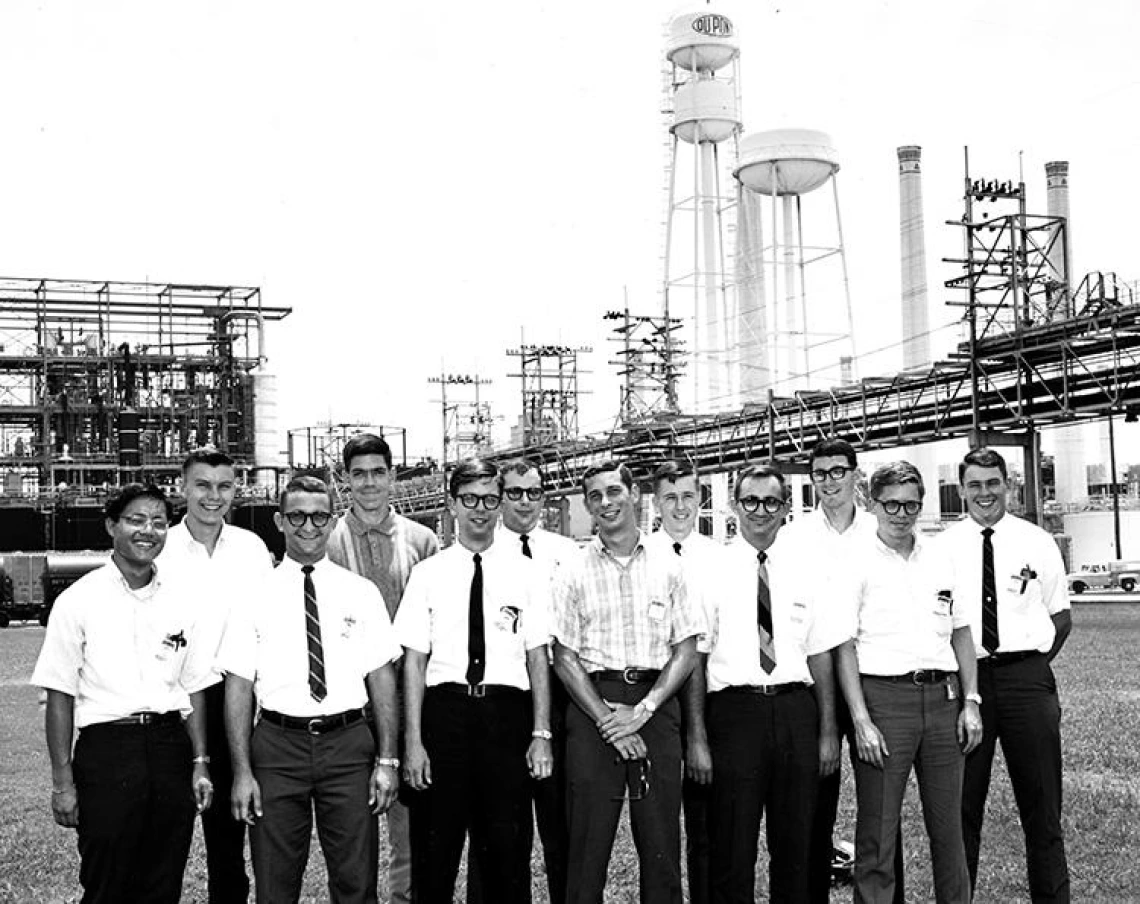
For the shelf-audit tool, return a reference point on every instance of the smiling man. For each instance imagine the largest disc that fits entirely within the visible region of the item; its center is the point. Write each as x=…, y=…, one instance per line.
x=625, y=641
x=1010, y=583
x=224, y=565
x=315, y=650
x=475, y=628
x=375, y=542
x=123, y=662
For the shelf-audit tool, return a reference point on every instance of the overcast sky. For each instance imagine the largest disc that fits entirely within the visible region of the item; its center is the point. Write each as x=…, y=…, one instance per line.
x=437, y=181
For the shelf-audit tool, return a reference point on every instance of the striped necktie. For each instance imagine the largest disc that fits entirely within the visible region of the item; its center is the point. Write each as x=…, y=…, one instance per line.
x=764, y=615
x=317, y=687
x=990, y=638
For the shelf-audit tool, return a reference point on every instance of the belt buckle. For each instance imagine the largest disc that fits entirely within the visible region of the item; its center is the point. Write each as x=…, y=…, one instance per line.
x=766, y=690
x=315, y=725
x=629, y=675
x=477, y=690
x=918, y=676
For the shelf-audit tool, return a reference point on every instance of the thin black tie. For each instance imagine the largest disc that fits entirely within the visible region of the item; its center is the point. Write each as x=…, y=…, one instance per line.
x=990, y=638
x=317, y=687
x=476, y=644
x=677, y=547
x=764, y=616
x=525, y=539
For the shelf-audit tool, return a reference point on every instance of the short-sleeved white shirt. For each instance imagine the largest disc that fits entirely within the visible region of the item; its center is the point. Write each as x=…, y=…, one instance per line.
x=904, y=609
x=266, y=642
x=828, y=550
x=119, y=651
x=434, y=616
x=701, y=561
x=237, y=570
x=1030, y=578
x=800, y=626
x=548, y=550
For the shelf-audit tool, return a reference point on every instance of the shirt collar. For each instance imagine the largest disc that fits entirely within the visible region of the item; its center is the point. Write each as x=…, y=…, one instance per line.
x=358, y=527
x=603, y=551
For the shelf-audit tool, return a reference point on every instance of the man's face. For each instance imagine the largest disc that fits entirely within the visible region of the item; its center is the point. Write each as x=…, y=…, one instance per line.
x=611, y=504
x=140, y=533
x=305, y=542
x=986, y=493
x=760, y=527
x=678, y=503
x=834, y=495
x=209, y=493
x=476, y=510
x=522, y=514
x=897, y=528
x=370, y=480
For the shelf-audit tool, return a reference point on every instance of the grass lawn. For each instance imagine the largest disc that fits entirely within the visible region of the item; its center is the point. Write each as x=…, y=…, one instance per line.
x=1099, y=693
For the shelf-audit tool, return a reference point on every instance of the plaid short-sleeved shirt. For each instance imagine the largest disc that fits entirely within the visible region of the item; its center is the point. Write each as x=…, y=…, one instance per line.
x=616, y=615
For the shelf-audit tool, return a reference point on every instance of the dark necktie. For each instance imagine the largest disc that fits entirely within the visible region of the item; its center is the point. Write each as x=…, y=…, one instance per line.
x=677, y=547
x=764, y=615
x=525, y=540
x=476, y=643
x=990, y=638
x=317, y=687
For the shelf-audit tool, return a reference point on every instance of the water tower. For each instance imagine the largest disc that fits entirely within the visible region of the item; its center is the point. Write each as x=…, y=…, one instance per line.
x=780, y=342
x=702, y=56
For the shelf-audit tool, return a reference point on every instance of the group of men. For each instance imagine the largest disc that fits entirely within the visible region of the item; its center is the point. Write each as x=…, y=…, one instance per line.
x=369, y=673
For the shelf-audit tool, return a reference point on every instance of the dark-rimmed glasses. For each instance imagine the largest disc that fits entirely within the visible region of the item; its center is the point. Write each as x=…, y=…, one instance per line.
x=138, y=522
x=819, y=475
x=471, y=500
x=298, y=519
x=516, y=493
x=893, y=506
x=770, y=504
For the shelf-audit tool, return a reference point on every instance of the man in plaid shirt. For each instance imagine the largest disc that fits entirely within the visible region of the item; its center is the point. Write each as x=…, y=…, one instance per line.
x=625, y=641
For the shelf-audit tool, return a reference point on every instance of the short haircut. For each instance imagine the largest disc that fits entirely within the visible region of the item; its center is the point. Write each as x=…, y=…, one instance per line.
x=832, y=447
x=895, y=473
x=366, y=444
x=118, y=502
x=673, y=471
x=211, y=458
x=761, y=470
x=605, y=467
x=521, y=466
x=983, y=457
x=305, y=483
x=468, y=471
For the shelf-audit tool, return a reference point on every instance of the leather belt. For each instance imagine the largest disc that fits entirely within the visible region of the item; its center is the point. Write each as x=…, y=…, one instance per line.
x=763, y=690
x=626, y=676
x=477, y=690
x=919, y=676
x=314, y=725
x=174, y=717
x=1006, y=658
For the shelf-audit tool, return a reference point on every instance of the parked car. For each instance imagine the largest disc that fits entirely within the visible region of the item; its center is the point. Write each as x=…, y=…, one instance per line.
x=1122, y=573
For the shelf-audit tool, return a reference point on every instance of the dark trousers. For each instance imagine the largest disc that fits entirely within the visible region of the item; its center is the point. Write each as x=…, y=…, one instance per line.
x=136, y=812
x=696, y=802
x=1020, y=708
x=300, y=773
x=224, y=836
x=919, y=724
x=596, y=787
x=765, y=753
x=823, y=825
x=480, y=785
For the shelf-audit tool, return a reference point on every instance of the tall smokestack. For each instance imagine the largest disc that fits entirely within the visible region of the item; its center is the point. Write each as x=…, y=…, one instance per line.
x=1061, y=254
x=912, y=245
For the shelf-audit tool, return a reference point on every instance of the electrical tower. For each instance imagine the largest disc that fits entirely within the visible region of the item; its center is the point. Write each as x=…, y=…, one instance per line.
x=549, y=392
x=466, y=424
x=649, y=362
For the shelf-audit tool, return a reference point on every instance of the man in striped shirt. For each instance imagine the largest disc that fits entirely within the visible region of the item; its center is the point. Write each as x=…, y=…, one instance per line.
x=625, y=641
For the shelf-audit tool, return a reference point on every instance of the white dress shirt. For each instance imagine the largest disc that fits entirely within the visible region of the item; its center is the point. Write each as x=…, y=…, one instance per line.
x=702, y=560
x=266, y=642
x=433, y=617
x=1029, y=575
x=829, y=551
x=237, y=570
x=119, y=651
x=548, y=550
x=800, y=625
x=904, y=609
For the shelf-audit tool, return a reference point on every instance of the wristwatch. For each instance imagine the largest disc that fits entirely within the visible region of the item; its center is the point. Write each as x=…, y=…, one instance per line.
x=390, y=761
x=648, y=705
x=974, y=698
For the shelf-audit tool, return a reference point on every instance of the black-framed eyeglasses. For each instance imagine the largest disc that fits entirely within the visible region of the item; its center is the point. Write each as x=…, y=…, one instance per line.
x=636, y=779
x=138, y=522
x=819, y=475
x=770, y=504
x=471, y=500
x=893, y=506
x=298, y=519
x=516, y=493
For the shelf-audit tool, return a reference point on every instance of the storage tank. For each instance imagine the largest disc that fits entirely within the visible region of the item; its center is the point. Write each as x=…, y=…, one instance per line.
x=786, y=161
